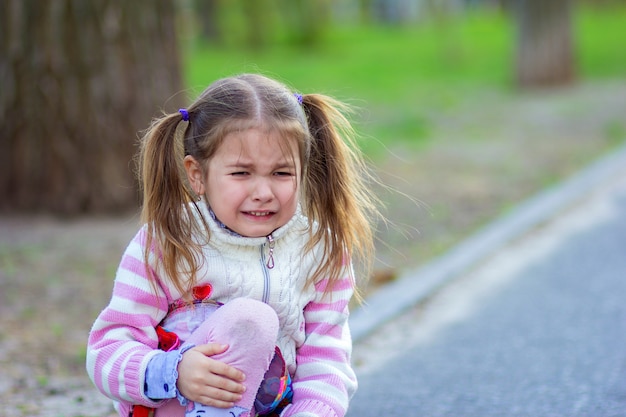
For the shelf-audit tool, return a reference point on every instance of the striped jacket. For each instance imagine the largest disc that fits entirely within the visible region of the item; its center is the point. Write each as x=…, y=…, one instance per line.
x=314, y=335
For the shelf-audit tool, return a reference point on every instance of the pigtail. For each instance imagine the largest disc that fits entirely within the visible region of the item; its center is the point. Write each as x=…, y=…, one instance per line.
x=336, y=190
x=166, y=196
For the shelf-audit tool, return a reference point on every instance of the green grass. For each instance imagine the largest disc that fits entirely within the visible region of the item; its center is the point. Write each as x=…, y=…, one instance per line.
x=600, y=35
x=376, y=62
x=399, y=75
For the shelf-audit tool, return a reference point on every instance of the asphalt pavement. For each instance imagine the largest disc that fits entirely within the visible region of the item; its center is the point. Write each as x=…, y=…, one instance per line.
x=526, y=318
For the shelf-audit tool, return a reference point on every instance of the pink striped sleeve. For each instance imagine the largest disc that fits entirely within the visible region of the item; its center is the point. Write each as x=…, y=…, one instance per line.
x=123, y=337
x=324, y=380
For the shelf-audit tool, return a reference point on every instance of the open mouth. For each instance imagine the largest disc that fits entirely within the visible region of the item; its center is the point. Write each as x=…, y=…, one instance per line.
x=259, y=213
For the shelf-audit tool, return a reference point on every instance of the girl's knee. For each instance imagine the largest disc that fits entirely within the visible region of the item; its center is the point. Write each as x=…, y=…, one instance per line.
x=242, y=323
x=252, y=320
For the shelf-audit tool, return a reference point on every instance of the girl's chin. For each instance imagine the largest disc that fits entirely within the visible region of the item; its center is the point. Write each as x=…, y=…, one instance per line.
x=255, y=231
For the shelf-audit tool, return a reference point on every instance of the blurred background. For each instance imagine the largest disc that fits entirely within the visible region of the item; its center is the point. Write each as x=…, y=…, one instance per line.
x=464, y=108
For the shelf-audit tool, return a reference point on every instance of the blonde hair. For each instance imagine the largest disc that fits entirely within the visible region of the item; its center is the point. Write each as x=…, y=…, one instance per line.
x=335, y=197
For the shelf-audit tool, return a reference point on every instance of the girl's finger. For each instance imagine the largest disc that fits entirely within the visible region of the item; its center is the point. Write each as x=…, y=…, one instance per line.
x=225, y=384
x=211, y=349
x=218, y=397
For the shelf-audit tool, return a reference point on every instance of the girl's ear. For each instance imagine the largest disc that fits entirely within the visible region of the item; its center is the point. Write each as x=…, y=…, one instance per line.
x=195, y=174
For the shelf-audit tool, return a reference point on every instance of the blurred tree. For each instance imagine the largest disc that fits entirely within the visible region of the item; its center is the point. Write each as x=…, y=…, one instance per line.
x=79, y=80
x=544, y=50
x=396, y=11
x=365, y=11
x=306, y=20
x=207, y=14
x=255, y=15
x=256, y=24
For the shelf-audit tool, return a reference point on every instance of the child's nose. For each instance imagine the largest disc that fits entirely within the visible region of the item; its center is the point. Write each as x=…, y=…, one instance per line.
x=262, y=190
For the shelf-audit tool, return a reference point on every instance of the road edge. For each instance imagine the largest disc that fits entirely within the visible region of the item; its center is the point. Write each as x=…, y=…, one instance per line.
x=416, y=285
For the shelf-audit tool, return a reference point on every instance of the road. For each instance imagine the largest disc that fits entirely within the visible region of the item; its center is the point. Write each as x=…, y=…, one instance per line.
x=537, y=330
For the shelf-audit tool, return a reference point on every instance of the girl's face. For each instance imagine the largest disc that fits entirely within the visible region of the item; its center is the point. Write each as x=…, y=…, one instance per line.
x=252, y=182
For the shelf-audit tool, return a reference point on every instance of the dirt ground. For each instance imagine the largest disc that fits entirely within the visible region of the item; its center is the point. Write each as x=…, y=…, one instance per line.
x=485, y=155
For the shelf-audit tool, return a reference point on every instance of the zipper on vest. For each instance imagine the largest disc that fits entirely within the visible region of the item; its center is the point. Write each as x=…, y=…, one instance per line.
x=270, y=252
x=267, y=263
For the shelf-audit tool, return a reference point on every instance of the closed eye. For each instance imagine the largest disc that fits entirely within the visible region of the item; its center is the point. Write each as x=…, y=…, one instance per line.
x=284, y=174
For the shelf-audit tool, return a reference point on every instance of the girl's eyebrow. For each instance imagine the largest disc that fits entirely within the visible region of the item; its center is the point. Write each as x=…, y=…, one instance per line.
x=285, y=164
x=239, y=164
x=248, y=164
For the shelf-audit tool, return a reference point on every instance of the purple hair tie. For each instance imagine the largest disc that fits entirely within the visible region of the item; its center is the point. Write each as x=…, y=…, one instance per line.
x=185, y=114
x=298, y=97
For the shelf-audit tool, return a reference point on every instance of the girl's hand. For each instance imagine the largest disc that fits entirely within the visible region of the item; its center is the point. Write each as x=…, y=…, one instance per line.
x=208, y=381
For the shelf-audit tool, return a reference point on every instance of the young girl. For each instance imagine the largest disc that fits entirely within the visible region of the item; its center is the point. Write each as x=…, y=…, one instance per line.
x=232, y=299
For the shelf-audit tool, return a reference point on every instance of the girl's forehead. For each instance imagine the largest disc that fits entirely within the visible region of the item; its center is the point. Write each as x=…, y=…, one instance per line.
x=258, y=144
x=254, y=138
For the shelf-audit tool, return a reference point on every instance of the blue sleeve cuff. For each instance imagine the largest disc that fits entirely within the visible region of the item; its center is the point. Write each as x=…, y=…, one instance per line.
x=162, y=374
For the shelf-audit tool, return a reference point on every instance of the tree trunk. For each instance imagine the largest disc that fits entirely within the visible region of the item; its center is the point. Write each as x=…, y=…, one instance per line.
x=545, y=51
x=207, y=14
x=79, y=80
